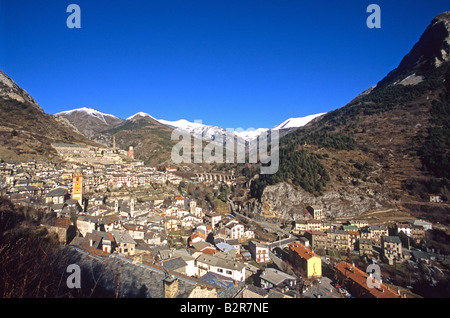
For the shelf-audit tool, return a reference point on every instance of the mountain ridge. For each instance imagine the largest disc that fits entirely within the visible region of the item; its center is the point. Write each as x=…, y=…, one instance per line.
x=198, y=129
x=432, y=50
x=90, y=121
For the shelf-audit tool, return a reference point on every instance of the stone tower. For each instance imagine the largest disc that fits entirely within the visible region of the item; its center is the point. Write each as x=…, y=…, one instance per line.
x=77, y=186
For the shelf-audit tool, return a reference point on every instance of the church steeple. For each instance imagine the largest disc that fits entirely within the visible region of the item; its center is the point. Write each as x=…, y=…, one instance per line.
x=77, y=186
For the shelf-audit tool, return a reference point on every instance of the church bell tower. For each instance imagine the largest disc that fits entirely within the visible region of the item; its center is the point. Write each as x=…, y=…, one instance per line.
x=77, y=186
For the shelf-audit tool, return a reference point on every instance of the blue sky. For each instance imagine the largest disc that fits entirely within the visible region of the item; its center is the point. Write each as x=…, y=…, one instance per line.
x=231, y=63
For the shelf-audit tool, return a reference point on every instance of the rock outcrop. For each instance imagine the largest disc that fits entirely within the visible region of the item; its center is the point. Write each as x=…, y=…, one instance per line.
x=288, y=203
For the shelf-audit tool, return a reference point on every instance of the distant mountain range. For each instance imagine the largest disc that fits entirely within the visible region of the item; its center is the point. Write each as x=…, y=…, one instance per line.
x=151, y=137
x=91, y=122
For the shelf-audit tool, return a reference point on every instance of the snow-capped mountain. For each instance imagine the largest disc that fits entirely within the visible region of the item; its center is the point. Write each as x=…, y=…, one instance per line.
x=90, y=121
x=184, y=125
x=289, y=124
x=139, y=116
x=251, y=134
x=206, y=132
x=88, y=111
x=197, y=129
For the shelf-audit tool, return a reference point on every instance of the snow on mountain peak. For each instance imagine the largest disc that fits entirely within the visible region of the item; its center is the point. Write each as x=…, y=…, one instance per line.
x=296, y=122
x=140, y=114
x=251, y=134
x=182, y=124
x=198, y=128
x=90, y=112
x=206, y=131
x=87, y=110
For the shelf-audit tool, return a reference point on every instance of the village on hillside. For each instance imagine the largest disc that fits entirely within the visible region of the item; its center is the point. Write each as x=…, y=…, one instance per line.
x=177, y=246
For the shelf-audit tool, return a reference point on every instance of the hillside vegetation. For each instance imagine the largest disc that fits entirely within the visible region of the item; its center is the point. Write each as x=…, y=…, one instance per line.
x=26, y=131
x=394, y=139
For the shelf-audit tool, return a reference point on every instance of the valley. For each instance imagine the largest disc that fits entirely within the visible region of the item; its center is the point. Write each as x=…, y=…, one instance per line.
x=364, y=184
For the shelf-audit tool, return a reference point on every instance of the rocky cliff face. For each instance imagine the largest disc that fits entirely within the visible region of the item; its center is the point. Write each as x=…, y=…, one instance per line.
x=9, y=90
x=288, y=203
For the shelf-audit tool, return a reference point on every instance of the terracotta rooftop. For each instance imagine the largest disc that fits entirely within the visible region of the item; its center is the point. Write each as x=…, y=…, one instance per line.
x=360, y=278
x=302, y=250
x=60, y=222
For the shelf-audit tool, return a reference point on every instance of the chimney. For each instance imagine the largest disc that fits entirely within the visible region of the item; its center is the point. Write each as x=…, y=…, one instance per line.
x=170, y=287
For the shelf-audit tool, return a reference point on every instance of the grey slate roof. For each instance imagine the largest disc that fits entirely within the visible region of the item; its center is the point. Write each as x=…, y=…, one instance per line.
x=392, y=239
x=57, y=192
x=133, y=280
x=275, y=276
x=174, y=263
x=229, y=288
x=122, y=237
x=220, y=262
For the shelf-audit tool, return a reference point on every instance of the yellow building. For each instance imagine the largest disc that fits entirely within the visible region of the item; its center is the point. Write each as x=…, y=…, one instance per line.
x=66, y=176
x=77, y=186
x=303, y=259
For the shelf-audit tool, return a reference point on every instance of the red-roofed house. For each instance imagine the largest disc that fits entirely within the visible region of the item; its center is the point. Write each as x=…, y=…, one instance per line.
x=179, y=201
x=197, y=237
x=305, y=260
x=204, y=248
x=356, y=282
